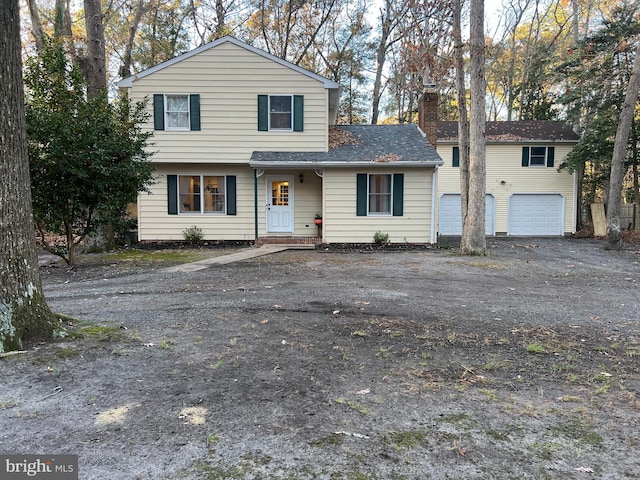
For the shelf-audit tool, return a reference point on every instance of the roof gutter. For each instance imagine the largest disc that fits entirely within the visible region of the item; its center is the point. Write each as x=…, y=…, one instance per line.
x=356, y=164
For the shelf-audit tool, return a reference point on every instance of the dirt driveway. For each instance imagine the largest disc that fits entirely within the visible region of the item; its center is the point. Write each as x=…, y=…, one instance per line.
x=341, y=365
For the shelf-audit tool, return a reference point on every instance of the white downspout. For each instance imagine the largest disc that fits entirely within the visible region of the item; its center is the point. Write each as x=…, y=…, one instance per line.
x=434, y=183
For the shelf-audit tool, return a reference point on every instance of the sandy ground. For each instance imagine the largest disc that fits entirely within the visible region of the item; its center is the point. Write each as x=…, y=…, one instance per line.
x=341, y=365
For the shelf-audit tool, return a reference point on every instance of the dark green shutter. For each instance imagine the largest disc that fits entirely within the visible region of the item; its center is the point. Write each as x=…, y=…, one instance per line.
x=172, y=194
x=231, y=195
x=525, y=156
x=194, y=104
x=456, y=157
x=550, y=155
x=398, y=194
x=298, y=113
x=361, y=195
x=263, y=113
x=158, y=111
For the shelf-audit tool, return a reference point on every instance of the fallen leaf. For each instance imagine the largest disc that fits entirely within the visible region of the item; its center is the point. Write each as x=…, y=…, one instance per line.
x=350, y=434
x=584, y=469
x=363, y=392
x=266, y=320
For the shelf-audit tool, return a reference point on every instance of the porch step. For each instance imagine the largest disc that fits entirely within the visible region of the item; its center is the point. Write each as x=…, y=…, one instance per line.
x=301, y=242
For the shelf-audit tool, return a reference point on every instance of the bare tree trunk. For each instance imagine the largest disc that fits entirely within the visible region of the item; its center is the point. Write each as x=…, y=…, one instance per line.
x=636, y=180
x=62, y=21
x=125, y=69
x=36, y=25
x=94, y=64
x=473, y=240
x=614, y=232
x=577, y=121
x=24, y=312
x=220, y=20
x=463, y=121
x=381, y=56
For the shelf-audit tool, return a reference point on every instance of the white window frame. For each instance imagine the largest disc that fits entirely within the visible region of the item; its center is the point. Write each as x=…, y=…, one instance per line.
x=291, y=119
x=167, y=113
x=546, y=156
x=201, y=195
x=390, y=194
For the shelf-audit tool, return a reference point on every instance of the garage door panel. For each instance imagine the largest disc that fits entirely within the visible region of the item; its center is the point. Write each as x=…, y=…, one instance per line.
x=450, y=215
x=536, y=214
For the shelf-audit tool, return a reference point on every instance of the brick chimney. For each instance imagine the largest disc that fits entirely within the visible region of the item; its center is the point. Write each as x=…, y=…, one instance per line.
x=428, y=115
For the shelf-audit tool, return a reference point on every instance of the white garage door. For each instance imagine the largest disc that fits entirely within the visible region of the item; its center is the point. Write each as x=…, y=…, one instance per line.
x=450, y=215
x=536, y=214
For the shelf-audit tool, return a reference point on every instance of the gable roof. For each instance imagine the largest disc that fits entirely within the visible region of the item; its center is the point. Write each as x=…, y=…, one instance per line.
x=365, y=145
x=515, y=132
x=128, y=82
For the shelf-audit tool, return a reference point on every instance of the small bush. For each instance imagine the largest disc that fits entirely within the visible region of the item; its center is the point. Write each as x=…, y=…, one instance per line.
x=380, y=238
x=193, y=235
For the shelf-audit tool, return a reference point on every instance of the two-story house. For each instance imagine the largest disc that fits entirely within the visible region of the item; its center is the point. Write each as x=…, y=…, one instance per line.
x=244, y=150
x=526, y=194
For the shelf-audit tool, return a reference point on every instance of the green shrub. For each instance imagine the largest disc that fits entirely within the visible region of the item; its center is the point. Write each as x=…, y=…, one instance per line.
x=380, y=238
x=193, y=235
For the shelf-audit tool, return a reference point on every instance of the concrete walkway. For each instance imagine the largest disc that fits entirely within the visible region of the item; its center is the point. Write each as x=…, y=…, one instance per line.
x=235, y=257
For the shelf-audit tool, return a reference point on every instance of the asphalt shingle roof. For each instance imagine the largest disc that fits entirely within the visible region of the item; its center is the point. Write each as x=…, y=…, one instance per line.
x=534, y=130
x=375, y=145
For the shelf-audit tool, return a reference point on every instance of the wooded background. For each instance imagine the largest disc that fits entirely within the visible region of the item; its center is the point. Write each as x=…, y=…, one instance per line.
x=545, y=59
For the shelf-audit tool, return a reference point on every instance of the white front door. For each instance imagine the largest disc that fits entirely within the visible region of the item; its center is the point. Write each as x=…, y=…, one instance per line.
x=279, y=204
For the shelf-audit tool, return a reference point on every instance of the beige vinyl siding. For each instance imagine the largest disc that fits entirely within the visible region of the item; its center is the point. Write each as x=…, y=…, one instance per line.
x=229, y=79
x=504, y=163
x=154, y=223
x=342, y=225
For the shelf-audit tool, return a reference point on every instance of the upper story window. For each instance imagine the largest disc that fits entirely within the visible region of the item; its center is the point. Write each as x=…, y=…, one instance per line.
x=177, y=112
x=280, y=113
x=538, y=156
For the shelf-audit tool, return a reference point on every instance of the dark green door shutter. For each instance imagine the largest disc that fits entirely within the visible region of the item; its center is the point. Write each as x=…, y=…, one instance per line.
x=525, y=156
x=298, y=113
x=550, y=155
x=263, y=113
x=456, y=157
x=231, y=195
x=194, y=104
x=158, y=111
x=398, y=194
x=361, y=195
x=172, y=194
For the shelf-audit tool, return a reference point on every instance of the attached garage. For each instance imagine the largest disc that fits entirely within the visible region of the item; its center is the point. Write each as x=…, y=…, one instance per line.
x=536, y=214
x=450, y=215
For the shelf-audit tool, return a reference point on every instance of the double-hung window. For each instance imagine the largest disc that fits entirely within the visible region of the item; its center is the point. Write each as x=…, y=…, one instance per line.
x=380, y=192
x=177, y=112
x=538, y=156
x=280, y=112
x=201, y=194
